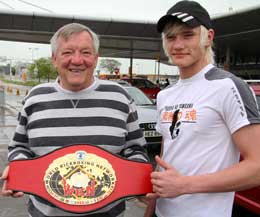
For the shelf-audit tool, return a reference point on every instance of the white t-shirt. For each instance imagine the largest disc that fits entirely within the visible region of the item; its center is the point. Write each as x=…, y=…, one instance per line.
x=211, y=107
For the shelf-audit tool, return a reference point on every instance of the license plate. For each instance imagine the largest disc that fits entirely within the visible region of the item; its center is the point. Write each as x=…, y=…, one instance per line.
x=151, y=133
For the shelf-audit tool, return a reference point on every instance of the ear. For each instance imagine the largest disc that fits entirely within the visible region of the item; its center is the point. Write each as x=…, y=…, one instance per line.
x=54, y=60
x=211, y=34
x=96, y=59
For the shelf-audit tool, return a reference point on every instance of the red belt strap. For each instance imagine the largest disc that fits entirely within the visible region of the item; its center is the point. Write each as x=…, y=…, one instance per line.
x=80, y=178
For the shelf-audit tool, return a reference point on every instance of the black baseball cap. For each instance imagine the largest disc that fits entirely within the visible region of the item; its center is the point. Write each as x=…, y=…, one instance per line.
x=189, y=12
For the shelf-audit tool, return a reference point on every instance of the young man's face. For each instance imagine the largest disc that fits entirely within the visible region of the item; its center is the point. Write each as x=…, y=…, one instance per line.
x=184, y=47
x=75, y=60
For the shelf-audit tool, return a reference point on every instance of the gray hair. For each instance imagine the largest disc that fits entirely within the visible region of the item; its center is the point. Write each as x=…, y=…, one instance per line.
x=67, y=30
x=176, y=27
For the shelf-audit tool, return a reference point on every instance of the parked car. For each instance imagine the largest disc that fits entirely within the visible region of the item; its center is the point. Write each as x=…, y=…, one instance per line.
x=247, y=202
x=145, y=85
x=146, y=110
x=256, y=89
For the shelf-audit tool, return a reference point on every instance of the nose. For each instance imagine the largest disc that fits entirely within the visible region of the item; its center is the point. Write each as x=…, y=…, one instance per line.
x=178, y=43
x=77, y=58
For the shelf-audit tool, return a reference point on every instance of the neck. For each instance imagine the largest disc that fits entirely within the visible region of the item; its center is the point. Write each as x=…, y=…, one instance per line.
x=188, y=72
x=76, y=88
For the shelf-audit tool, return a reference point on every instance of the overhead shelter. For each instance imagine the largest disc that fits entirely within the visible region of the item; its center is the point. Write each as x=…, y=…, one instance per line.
x=236, y=42
x=119, y=38
x=237, y=37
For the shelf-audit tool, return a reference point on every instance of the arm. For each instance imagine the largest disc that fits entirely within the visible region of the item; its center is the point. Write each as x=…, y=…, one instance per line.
x=19, y=145
x=18, y=149
x=245, y=174
x=135, y=141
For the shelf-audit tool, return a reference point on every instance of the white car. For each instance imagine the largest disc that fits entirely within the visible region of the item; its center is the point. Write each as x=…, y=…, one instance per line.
x=146, y=110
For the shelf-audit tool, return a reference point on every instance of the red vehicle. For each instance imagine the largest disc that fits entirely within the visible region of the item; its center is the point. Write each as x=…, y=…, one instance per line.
x=148, y=87
x=256, y=88
x=249, y=200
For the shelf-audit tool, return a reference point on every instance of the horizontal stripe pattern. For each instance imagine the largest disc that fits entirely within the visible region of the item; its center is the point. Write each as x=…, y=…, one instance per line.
x=47, y=149
x=107, y=141
x=76, y=122
x=105, y=116
x=81, y=112
x=67, y=104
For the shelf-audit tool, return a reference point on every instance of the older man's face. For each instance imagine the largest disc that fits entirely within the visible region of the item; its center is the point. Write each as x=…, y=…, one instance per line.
x=75, y=60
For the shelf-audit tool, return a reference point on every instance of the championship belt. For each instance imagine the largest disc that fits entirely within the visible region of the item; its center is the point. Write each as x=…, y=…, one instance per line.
x=80, y=178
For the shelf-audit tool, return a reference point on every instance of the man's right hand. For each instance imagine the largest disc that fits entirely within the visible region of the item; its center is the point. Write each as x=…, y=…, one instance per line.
x=4, y=190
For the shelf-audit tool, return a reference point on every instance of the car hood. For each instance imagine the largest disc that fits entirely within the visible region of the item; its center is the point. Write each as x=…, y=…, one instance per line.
x=146, y=114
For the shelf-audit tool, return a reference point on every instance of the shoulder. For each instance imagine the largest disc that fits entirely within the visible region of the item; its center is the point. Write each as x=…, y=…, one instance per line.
x=112, y=87
x=41, y=89
x=234, y=90
x=107, y=82
x=227, y=80
x=217, y=74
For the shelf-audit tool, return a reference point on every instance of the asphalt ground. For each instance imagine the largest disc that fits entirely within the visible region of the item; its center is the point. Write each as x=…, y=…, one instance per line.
x=16, y=207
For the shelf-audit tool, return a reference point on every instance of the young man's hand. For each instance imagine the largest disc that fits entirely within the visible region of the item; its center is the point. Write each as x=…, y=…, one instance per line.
x=166, y=183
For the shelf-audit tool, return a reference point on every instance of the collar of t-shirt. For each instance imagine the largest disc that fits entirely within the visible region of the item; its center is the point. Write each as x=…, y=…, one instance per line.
x=197, y=76
x=78, y=93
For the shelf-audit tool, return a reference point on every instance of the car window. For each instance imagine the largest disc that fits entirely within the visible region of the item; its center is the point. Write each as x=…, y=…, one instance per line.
x=143, y=83
x=139, y=83
x=149, y=84
x=139, y=97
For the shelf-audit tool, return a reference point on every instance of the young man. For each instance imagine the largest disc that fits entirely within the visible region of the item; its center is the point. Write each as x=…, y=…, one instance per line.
x=207, y=120
x=75, y=109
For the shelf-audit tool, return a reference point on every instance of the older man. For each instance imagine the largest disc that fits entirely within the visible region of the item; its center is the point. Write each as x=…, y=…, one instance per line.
x=76, y=109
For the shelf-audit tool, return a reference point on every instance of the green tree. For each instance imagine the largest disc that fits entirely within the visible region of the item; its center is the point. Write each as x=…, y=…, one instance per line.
x=13, y=70
x=109, y=64
x=42, y=68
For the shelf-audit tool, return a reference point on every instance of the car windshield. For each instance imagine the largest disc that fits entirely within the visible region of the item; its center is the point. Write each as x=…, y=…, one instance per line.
x=149, y=84
x=139, y=97
x=142, y=83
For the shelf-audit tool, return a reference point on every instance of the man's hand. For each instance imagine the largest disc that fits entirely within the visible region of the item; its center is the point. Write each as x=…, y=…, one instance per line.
x=167, y=183
x=4, y=191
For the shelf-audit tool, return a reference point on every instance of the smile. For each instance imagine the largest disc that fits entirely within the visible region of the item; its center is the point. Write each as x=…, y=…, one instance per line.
x=76, y=70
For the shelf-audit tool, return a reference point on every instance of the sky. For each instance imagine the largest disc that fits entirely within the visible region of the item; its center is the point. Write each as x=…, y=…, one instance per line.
x=144, y=10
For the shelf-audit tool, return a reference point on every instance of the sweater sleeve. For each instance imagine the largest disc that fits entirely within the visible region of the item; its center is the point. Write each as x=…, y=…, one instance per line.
x=19, y=146
x=135, y=140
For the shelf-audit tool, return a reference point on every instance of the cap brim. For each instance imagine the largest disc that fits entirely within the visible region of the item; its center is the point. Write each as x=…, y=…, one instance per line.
x=169, y=18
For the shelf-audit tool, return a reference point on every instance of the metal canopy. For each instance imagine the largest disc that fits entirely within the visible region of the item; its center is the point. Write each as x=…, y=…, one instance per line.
x=118, y=38
x=239, y=32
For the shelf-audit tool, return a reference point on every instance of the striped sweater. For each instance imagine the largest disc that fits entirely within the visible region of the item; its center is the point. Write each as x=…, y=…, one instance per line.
x=103, y=115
